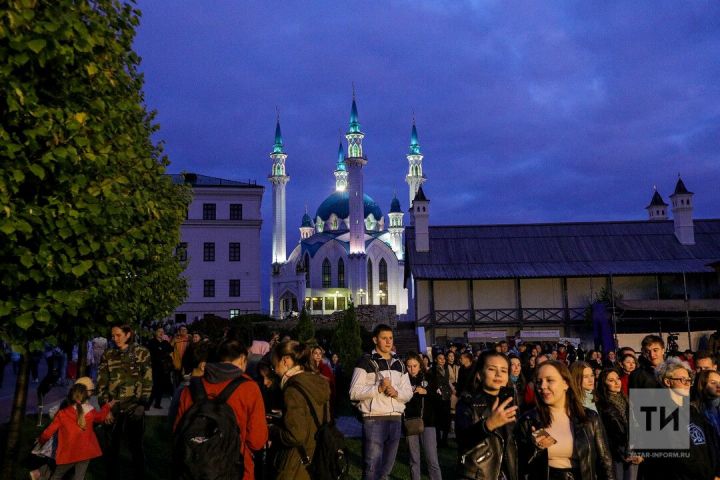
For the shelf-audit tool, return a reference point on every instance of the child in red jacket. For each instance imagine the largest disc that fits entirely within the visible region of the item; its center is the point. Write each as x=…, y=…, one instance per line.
x=77, y=443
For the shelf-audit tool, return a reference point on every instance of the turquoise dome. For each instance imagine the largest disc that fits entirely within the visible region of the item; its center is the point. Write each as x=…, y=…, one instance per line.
x=339, y=204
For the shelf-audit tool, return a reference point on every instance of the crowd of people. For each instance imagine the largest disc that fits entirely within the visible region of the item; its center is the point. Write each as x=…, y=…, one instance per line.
x=527, y=411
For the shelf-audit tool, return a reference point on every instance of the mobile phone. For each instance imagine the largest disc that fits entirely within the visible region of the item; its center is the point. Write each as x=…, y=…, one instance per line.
x=505, y=393
x=538, y=434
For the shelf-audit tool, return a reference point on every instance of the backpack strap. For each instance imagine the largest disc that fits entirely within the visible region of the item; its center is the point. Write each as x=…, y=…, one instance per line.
x=309, y=403
x=198, y=393
x=197, y=390
x=230, y=389
x=304, y=458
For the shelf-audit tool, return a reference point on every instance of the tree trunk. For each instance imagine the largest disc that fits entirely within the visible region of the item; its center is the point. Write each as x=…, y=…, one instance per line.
x=17, y=417
x=82, y=366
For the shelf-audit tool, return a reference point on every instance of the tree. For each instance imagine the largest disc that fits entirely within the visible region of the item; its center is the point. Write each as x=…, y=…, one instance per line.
x=88, y=220
x=347, y=341
x=305, y=329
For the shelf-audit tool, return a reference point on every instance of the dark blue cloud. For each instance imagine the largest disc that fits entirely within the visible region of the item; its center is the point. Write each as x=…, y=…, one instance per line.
x=527, y=111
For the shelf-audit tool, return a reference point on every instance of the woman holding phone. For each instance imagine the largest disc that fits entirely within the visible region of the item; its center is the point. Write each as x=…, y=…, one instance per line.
x=484, y=423
x=560, y=439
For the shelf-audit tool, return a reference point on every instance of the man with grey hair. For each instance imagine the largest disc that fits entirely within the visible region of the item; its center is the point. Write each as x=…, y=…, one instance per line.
x=702, y=460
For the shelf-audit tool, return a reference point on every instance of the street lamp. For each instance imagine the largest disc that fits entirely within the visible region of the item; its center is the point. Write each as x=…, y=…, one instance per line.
x=361, y=293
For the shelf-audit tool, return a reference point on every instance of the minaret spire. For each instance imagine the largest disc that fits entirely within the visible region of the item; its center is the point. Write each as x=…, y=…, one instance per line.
x=341, y=174
x=278, y=147
x=415, y=177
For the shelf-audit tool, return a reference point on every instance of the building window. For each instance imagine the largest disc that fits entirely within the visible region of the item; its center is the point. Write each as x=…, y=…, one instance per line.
x=209, y=252
x=208, y=288
x=208, y=211
x=234, y=252
x=307, y=270
x=370, y=282
x=181, y=251
x=383, y=282
x=340, y=303
x=234, y=288
x=236, y=211
x=341, y=273
x=326, y=273
x=234, y=313
x=317, y=303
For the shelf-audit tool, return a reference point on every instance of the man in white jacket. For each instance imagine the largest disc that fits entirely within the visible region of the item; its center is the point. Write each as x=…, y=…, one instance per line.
x=381, y=386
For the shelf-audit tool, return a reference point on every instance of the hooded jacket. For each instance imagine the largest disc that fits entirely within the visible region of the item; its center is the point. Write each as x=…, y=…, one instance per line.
x=368, y=374
x=298, y=426
x=246, y=401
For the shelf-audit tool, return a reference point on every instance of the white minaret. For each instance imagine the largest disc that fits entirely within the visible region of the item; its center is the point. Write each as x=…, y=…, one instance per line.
x=657, y=210
x=396, y=227
x=341, y=173
x=682, y=209
x=415, y=177
x=354, y=163
x=278, y=179
x=421, y=220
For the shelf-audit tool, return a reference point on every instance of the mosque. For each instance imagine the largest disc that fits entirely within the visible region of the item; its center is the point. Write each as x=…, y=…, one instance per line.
x=347, y=252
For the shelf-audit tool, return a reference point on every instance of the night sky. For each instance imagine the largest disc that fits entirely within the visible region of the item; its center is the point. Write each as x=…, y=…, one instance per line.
x=526, y=112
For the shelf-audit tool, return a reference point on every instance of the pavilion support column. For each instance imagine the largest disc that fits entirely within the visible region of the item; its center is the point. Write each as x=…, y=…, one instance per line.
x=518, y=301
x=431, y=296
x=566, y=303
x=471, y=302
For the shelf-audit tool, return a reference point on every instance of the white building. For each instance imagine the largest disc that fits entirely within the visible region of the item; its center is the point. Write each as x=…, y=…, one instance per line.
x=347, y=251
x=221, y=239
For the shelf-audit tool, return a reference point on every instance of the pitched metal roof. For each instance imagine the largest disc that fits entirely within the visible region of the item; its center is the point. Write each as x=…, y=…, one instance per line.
x=562, y=249
x=197, y=180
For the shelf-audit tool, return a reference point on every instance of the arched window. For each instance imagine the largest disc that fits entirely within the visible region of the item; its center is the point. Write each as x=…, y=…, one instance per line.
x=307, y=270
x=341, y=274
x=369, y=282
x=383, y=282
x=326, y=273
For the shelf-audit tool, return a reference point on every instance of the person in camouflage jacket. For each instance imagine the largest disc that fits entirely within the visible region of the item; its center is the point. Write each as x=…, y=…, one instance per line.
x=125, y=375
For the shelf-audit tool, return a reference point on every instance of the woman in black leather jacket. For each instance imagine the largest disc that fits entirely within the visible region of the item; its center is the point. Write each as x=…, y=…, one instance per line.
x=612, y=406
x=484, y=423
x=560, y=439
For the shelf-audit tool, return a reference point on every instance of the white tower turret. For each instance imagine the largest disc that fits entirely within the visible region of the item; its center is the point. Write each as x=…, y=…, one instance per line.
x=415, y=177
x=279, y=179
x=421, y=220
x=657, y=210
x=682, y=209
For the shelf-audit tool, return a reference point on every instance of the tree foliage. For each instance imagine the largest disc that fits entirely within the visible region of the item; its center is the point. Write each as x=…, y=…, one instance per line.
x=89, y=221
x=305, y=328
x=347, y=341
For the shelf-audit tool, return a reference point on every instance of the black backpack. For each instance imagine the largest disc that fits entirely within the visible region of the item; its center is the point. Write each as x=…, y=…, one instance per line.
x=330, y=460
x=207, y=443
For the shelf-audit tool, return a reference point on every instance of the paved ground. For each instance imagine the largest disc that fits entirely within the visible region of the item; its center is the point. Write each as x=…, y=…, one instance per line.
x=8, y=389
